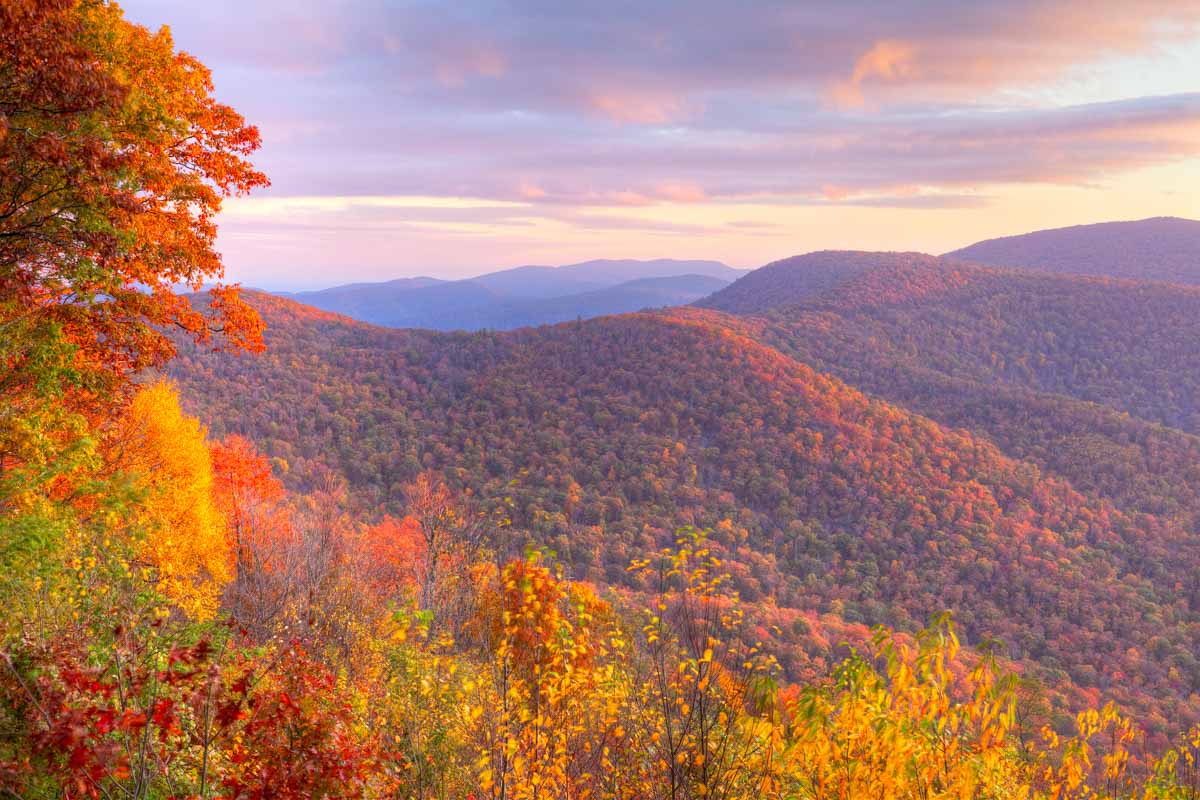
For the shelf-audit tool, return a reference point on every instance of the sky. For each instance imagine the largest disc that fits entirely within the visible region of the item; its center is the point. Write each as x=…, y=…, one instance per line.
x=455, y=138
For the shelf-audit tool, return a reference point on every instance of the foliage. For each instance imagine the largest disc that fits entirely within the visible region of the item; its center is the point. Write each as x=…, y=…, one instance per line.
x=184, y=532
x=114, y=158
x=177, y=624
x=600, y=439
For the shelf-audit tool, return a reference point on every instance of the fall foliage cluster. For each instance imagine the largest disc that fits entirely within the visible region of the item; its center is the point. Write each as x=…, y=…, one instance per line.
x=1059, y=527
x=180, y=617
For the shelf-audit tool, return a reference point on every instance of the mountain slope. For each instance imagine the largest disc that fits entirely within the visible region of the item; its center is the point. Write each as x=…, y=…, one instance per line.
x=1129, y=346
x=797, y=279
x=1094, y=380
x=1160, y=248
x=599, y=438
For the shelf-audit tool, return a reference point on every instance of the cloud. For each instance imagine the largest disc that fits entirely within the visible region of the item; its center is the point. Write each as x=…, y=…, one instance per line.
x=930, y=201
x=830, y=157
x=602, y=112
x=887, y=61
x=634, y=107
x=662, y=60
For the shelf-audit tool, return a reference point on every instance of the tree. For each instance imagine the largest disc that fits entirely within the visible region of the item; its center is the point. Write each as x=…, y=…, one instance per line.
x=183, y=543
x=114, y=158
x=550, y=721
x=712, y=693
x=449, y=534
x=260, y=534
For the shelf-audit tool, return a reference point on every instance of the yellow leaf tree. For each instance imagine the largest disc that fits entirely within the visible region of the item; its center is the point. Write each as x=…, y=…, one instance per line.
x=183, y=548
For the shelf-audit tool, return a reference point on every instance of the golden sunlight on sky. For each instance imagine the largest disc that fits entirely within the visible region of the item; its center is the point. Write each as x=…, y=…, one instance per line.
x=452, y=140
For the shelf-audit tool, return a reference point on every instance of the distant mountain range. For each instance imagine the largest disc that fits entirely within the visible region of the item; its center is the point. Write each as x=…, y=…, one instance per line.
x=523, y=296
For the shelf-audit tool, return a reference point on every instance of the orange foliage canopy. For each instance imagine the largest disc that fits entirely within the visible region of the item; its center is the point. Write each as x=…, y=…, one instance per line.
x=114, y=159
x=393, y=552
x=245, y=489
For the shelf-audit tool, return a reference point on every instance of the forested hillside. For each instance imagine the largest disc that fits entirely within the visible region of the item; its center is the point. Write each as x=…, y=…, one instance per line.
x=797, y=279
x=599, y=438
x=1093, y=379
x=1159, y=249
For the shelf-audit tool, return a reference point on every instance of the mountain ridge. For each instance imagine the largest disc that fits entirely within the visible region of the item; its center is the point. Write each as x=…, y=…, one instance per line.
x=530, y=295
x=1156, y=248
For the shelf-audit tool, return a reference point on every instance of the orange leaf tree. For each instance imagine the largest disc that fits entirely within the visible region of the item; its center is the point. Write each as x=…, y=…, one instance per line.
x=114, y=159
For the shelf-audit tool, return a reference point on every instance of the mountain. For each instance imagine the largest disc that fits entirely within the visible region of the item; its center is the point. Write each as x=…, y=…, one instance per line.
x=524, y=295
x=630, y=296
x=599, y=438
x=546, y=282
x=1129, y=346
x=1093, y=380
x=400, y=304
x=1161, y=249
x=448, y=305
x=793, y=280
x=358, y=299
x=400, y=284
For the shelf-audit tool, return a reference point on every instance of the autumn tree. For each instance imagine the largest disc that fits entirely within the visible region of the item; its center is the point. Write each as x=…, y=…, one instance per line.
x=450, y=535
x=260, y=533
x=552, y=712
x=390, y=555
x=180, y=527
x=114, y=158
x=712, y=692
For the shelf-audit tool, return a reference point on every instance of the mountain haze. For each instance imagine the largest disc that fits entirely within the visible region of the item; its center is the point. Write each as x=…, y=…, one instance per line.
x=530, y=295
x=535, y=281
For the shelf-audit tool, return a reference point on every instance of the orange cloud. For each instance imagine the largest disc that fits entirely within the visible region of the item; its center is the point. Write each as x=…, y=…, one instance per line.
x=681, y=192
x=646, y=109
x=888, y=61
x=834, y=192
x=530, y=191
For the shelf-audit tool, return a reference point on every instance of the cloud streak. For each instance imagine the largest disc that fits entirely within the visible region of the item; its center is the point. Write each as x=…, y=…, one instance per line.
x=833, y=157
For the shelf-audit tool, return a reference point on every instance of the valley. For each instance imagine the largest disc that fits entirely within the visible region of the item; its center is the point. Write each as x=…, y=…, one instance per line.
x=1025, y=462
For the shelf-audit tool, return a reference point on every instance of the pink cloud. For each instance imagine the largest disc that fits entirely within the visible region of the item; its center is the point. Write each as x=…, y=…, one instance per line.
x=680, y=192
x=474, y=61
x=530, y=191
x=833, y=192
x=626, y=106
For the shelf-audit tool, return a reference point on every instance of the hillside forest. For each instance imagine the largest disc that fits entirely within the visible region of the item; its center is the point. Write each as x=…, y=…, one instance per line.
x=887, y=528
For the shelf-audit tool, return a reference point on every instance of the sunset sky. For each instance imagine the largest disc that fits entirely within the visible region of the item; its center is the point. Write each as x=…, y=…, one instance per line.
x=454, y=138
